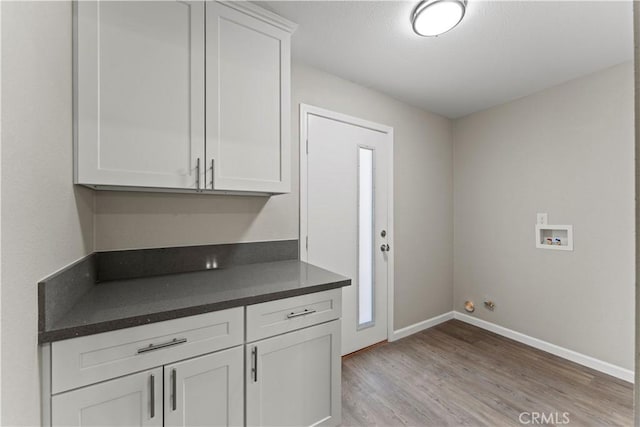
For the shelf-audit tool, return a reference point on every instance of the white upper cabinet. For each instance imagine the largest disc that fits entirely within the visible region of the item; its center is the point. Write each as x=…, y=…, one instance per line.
x=139, y=102
x=140, y=97
x=248, y=99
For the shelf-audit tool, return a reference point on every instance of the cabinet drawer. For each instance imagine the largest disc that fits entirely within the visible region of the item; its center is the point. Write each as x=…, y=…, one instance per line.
x=85, y=360
x=276, y=317
x=132, y=400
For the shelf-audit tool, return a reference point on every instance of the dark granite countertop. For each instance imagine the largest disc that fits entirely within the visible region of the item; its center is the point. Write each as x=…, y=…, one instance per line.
x=124, y=303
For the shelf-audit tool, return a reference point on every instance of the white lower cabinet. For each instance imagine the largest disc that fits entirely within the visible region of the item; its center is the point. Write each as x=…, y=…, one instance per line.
x=205, y=391
x=133, y=400
x=281, y=367
x=294, y=379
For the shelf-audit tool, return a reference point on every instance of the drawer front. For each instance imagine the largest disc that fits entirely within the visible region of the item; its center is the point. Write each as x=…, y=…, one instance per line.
x=277, y=317
x=86, y=360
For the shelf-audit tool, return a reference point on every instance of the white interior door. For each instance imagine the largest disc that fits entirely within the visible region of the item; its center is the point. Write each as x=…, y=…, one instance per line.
x=345, y=216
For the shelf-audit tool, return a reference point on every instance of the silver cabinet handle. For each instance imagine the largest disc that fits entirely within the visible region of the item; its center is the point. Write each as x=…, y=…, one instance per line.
x=152, y=387
x=152, y=347
x=198, y=174
x=254, y=364
x=300, y=313
x=174, y=398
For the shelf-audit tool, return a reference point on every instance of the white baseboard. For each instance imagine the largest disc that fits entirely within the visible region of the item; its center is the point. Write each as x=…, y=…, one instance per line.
x=574, y=356
x=420, y=326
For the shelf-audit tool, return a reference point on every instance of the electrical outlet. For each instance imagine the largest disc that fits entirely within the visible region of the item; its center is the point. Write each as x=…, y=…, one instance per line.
x=541, y=219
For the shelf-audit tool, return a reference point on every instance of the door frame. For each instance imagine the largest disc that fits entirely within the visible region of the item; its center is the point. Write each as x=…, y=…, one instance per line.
x=307, y=110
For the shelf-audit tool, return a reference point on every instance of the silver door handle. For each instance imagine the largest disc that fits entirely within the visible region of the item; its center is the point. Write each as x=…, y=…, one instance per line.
x=385, y=248
x=300, y=313
x=152, y=347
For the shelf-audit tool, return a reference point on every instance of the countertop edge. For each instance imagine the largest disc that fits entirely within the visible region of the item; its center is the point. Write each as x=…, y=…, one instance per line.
x=45, y=337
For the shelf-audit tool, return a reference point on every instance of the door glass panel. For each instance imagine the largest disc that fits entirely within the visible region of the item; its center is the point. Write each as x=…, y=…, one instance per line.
x=365, y=237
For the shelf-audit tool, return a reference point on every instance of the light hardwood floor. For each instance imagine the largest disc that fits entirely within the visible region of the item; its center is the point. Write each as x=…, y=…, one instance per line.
x=458, y=374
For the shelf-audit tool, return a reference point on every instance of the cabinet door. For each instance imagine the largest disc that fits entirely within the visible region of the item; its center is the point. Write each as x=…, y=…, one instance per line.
x=134, y=400
x=294, y=379
x=248, y=103
x=205, y=391
x=139, y=93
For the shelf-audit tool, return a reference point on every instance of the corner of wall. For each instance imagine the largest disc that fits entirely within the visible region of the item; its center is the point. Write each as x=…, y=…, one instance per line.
x=636, y=37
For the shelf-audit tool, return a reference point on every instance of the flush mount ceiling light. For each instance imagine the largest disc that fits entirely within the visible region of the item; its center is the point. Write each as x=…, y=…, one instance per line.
x=434, y=17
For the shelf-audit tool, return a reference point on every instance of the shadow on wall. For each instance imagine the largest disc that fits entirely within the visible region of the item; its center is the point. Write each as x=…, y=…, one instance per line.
x=128, y=220
x=176, y=204
x=84, y=198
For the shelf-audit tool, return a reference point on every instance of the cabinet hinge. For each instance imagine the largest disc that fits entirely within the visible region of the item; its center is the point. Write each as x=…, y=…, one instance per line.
x=307, y=146
x=306, y=243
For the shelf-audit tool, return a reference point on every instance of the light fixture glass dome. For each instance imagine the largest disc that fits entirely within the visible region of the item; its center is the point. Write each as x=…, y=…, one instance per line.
x=434, y=17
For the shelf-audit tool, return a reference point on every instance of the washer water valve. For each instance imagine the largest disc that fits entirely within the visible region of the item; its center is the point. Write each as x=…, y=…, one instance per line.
x=469, y=307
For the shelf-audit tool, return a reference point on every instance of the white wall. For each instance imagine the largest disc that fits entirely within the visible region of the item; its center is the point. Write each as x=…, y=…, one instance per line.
x=145, y=220
x=46, y=223
x=567, y=151
x=0, y=214
x=636, y=55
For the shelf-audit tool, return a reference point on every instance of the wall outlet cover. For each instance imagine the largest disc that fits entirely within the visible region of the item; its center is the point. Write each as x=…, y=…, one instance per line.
x=541, y=219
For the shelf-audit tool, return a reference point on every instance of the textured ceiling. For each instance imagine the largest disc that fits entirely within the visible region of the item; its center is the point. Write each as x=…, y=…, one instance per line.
x=502, y=50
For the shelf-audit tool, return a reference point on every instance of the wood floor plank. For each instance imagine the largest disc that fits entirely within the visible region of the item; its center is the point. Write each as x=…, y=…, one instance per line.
x=456, y=374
